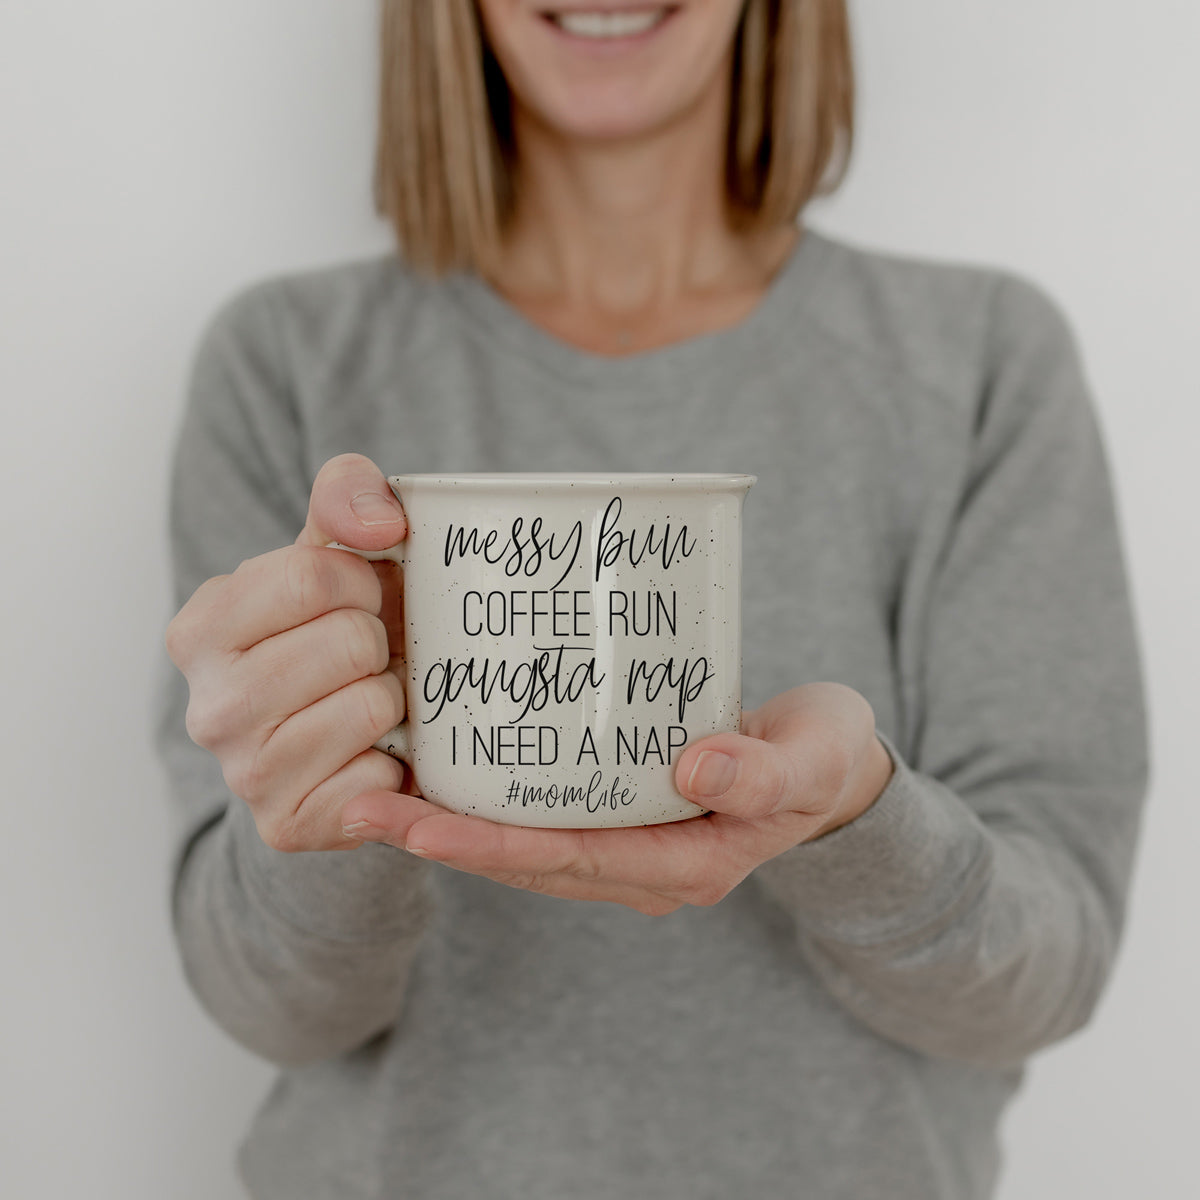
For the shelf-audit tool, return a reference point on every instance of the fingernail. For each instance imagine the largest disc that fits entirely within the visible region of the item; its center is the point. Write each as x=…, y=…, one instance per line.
x=373, y=508
x=359, y=830
x=417, y=851
x=713, y=774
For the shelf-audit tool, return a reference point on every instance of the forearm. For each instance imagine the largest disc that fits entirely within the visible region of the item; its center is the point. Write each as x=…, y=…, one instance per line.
x=299, y=957
x=958, y=936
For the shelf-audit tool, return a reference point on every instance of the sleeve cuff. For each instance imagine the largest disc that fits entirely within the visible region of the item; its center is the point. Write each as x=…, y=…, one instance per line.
x=373, y=894
x=903, y=869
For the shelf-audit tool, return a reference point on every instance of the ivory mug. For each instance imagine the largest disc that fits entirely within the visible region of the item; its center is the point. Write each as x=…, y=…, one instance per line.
x=566, y=636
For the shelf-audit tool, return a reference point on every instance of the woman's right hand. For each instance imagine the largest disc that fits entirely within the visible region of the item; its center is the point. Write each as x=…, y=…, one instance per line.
x=293, y=664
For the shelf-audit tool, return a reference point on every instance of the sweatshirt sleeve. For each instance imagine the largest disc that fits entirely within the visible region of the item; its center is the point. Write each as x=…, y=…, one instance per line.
x=974, y=910
x=297, y=956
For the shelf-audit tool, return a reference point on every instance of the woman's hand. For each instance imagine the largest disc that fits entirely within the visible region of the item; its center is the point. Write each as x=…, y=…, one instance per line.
x=807, y=762
x=290, y=663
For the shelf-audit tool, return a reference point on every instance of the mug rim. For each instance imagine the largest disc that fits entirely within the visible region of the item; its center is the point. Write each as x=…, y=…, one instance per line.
x=567, y=481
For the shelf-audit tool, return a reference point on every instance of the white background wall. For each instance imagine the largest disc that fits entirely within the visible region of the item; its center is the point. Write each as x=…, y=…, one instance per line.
x=153, y=157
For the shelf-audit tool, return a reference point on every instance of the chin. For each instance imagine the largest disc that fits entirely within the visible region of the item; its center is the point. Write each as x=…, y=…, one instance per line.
x=604, y=70
x=614, y=112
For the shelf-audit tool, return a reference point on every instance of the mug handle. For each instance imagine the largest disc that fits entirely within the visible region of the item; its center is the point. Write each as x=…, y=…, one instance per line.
x=397, y=743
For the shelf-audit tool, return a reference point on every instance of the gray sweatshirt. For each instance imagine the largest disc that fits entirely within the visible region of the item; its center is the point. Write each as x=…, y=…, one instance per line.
x=933, y=525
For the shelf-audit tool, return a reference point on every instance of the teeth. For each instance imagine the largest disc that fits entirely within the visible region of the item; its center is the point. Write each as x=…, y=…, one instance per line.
x=608, y=24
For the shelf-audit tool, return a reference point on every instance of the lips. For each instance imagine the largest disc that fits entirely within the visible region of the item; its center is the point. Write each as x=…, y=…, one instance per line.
x=608, y=24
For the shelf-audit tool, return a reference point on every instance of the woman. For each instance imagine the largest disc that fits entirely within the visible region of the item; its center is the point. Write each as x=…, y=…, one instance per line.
x=910, y=879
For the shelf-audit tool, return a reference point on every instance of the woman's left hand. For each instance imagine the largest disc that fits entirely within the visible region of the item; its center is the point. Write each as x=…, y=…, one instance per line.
x=807, y=762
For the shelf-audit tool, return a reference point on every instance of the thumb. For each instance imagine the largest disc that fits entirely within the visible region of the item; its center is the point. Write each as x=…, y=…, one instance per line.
x=352, y=503
x=745, y=776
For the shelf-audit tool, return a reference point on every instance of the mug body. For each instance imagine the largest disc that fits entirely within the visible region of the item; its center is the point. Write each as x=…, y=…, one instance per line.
x=566, y=637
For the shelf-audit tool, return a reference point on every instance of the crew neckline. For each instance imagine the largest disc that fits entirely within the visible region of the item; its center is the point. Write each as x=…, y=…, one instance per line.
x=500, y=320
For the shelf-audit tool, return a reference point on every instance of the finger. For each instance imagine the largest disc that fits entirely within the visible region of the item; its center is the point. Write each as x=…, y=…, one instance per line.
x=286, y=673
x=266, y=595
x=391, y=609
x=282, y=590
x=392, y=819
x=650, y=868
x=811, y=751
x=315, y=823
x=352, y=503
x=384, y=816
x=317, y=741
x=750, y=778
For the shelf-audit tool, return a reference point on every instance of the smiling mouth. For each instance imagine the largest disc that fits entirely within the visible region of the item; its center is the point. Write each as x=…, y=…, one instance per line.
x=608, y=24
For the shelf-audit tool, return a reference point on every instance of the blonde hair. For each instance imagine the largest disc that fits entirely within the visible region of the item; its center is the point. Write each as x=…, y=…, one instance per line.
x=445, y=154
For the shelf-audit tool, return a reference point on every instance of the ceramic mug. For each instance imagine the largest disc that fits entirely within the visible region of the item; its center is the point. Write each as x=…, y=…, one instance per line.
x=566, y=636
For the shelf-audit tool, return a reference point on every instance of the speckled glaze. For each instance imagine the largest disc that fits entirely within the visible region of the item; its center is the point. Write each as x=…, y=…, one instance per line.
x=566, y=636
